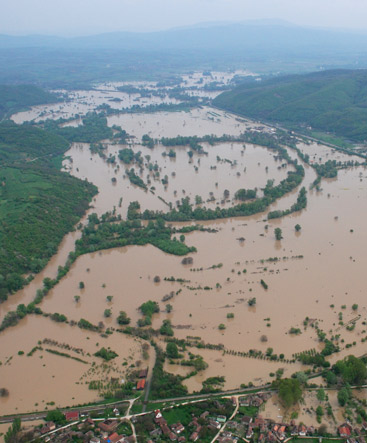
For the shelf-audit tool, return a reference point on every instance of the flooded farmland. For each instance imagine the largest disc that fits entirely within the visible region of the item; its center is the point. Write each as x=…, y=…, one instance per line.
x=314, y=273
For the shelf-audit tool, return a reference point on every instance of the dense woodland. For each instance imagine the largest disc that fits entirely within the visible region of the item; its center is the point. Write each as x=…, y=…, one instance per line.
x=93, y=130
x=106, y=233
x=330, y=101
x=38, y=203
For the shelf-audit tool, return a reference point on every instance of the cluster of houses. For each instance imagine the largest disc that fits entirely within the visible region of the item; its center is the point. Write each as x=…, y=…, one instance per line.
x=174, y=432
x=87, y=430
x=109, y=435
x=240, y=428
x=269, y=431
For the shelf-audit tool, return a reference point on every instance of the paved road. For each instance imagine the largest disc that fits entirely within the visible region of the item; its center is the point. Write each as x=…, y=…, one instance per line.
x=149, y=382
x=42, y=415
x=215, y=394
x=85, y=409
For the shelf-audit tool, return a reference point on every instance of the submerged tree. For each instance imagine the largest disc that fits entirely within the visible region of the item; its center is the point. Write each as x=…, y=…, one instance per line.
x=278, y=233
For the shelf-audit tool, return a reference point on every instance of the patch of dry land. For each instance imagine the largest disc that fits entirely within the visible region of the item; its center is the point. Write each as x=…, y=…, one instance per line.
x=242, y=291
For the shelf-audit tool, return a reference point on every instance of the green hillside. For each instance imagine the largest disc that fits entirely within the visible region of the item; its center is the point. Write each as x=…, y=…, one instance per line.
x=38, y=203
x=16, y=98
x=329, y=101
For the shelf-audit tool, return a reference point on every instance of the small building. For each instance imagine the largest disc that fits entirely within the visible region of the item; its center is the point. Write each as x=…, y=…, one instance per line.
x=344, y=431
x=221, y=419
x=44, y=430
x=165, y=429
x=302, y=430
x=108, y=426
x=94, y=440
x=213, y=425
x=115, y=438
x=249, y=432
x=51, y=425
x=194, y=436
x=140, y=385
x=246, y=420
x=71, y=415
x=177, y=428
x=244, y=401
x=143, y=373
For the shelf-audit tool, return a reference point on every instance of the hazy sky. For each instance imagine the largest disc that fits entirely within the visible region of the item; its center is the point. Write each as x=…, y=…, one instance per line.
x=78, y=17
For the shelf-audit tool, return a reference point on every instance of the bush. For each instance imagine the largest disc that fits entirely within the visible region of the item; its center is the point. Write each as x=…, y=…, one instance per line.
x=106, y=354
x=172, y=350
x=123, y=319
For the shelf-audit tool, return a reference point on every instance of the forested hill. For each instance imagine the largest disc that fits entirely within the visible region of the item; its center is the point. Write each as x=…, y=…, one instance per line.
x=19, y=143
x=38, y=203
x=16, y=98
x=329, y=101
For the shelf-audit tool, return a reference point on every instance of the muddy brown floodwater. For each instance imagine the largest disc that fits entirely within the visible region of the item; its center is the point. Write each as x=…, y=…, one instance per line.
x=315, y=273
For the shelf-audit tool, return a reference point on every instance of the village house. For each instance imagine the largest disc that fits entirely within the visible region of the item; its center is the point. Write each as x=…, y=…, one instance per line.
x=345, y=430
x=177, y=428
x=72, y=416
x=294, y=430
x=221, y=419
x=249, y=432
x=270, y=437
x=246, y=420
x=140, y=385
x=108, y=426
x=172, y=436
x=233, y=425
x=158, y=417
x=244, y=401
x=115, y=438
x=213, y=425
x=196, y=424
x=143, y=373
x=302, y=430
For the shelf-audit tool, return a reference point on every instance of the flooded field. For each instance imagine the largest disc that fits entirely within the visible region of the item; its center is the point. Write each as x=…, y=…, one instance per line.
x=315, y=273
x=38, y=379
x=136, y=94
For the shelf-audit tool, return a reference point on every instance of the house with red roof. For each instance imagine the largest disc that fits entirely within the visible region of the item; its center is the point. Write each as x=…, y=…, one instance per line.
x=72, y=415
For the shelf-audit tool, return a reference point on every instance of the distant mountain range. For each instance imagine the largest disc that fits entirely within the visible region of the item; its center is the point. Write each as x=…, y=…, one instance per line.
x=267, y=37
x=265, y=47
